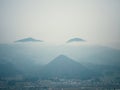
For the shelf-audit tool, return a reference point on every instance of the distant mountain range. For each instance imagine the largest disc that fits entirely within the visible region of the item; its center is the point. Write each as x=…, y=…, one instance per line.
x=41, y=61
x=60, y=67
x=29, y=39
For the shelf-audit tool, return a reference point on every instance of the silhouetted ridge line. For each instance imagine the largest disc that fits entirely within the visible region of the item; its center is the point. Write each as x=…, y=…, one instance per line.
x=28, y=40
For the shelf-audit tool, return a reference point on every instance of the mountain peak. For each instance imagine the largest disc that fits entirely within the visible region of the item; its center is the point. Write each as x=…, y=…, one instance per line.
x=64, y=67
x=61, y=56
x=62, y=59
x=75, y=40
x=29, y=39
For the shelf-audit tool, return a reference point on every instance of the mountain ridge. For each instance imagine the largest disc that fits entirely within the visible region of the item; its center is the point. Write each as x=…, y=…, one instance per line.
x=29, y=39
x=64, y=67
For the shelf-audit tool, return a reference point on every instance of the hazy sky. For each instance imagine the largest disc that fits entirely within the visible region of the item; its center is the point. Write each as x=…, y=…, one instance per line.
x=55, y=21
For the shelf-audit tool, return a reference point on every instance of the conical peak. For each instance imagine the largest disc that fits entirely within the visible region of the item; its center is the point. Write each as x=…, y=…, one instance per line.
x=62, y=57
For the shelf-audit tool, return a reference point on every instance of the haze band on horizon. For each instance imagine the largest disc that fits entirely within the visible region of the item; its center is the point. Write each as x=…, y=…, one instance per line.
x=54, y=21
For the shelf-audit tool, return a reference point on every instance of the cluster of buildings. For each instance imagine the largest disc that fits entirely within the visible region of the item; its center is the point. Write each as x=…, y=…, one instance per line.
x=58, y=84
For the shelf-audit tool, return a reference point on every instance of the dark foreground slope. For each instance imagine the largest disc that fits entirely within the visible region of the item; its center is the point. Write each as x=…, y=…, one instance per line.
x=7, y=69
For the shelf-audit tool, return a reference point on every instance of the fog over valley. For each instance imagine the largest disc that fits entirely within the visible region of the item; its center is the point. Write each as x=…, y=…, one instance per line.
x=59, y=45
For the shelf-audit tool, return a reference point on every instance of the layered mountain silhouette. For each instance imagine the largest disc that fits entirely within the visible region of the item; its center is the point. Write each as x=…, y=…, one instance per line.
x=23, y=57
x=64, y=67
x=29, y=39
